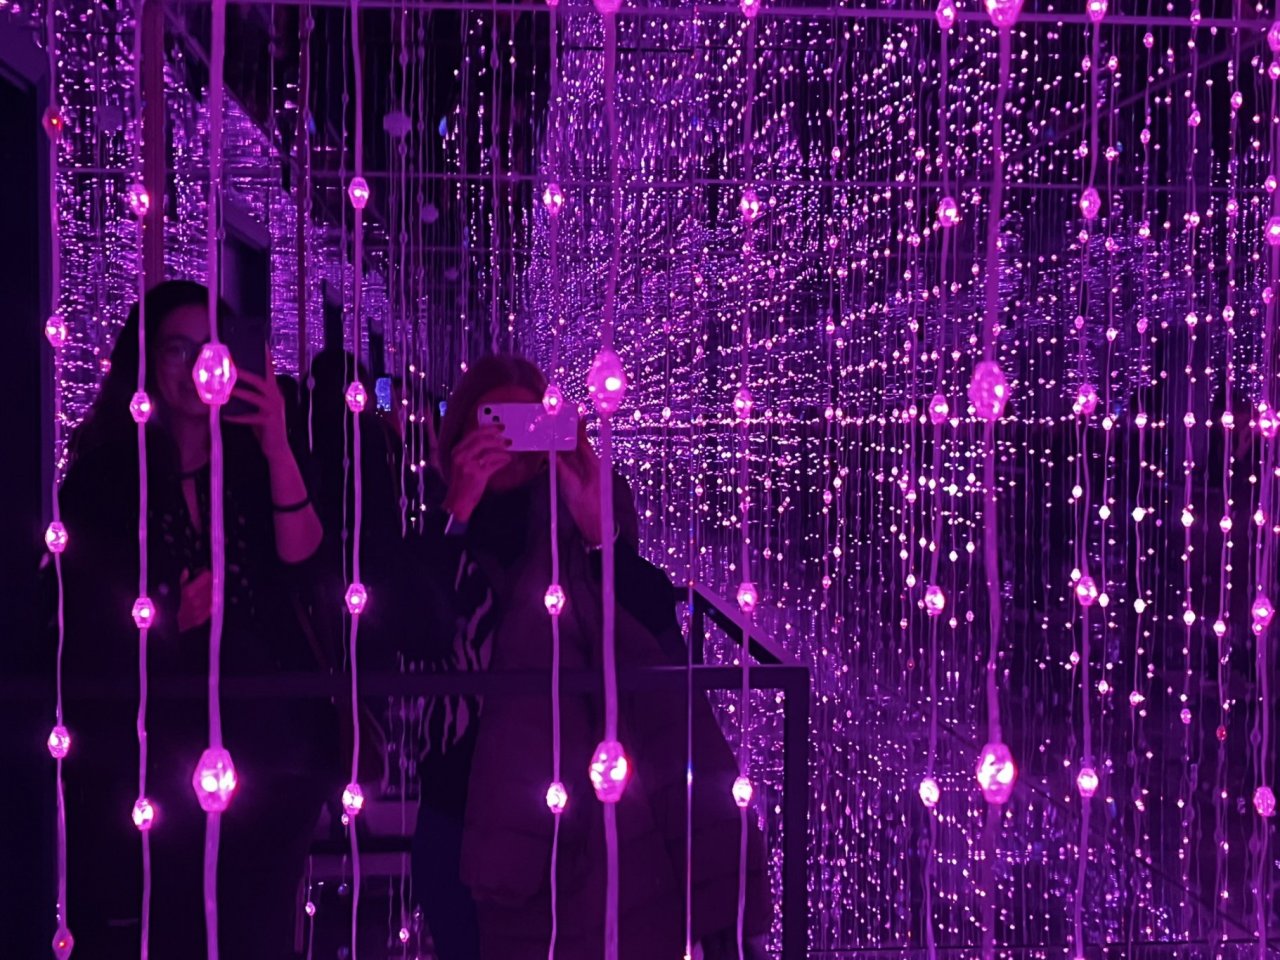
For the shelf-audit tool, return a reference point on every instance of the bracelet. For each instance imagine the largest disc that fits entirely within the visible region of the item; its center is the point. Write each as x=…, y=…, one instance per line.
x=292, y=507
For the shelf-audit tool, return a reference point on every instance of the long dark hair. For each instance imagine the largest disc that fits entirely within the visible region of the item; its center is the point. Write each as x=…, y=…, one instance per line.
x=108, y=421
x=486, y=374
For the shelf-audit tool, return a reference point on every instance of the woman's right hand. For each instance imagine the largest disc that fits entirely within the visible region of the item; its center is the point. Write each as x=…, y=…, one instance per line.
x=476, y=458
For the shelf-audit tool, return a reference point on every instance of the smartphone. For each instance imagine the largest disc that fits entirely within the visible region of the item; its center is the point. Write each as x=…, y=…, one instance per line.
x=530, y=428
x=246, y=338
x=382, y=390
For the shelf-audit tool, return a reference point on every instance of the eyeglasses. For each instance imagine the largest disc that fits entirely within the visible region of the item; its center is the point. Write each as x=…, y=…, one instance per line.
x=178, y=352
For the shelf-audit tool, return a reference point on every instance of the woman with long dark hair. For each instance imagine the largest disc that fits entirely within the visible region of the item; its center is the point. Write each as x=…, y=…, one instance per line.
x=482, y=852
x=281, y=748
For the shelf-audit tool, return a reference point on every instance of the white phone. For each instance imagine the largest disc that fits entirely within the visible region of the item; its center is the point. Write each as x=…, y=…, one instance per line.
x=530, y=428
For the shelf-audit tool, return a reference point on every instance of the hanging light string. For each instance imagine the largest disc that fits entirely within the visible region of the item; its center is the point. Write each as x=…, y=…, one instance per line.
x=140, y=407
x=356, y=397
x=55, y=537
x=990, y=519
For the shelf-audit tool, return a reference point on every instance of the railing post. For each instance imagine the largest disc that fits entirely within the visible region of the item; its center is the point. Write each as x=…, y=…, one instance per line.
x=795, y=814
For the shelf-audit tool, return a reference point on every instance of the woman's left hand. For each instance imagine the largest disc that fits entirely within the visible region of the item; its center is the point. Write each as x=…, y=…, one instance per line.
x=579, y=475
x=267, y=419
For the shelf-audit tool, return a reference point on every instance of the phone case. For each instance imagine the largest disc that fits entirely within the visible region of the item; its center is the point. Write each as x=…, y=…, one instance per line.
x=530, y=428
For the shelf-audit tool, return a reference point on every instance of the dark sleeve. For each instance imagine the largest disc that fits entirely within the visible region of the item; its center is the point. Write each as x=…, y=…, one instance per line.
x=646, y=593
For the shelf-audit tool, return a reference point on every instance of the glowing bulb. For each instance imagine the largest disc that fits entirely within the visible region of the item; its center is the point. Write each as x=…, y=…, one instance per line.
x=1219, y=628
x=607, y=382
x=1189, y=617
x=1136, y=699
x=945, y=14
x=63, y=943
x=935, y=600
x=1273, y=231
x=1086, y=591
x=988, y=390
x=309, y=909
x=358, y=191
x=55, y=537
x=554, y=599
x=749, y=206
x=1087, y=781
x=214, y=780
x=53, y=123
x=1193, y=119
x=1264, y=801
x=1097, y=9
x=144, y=814
x=356, y=396
x=214, y=374
x=742, y=403
x=55, y=331
x=1225, y=524
x=610, y=771
x=948, y=212
x=553, y=198
x=742, y=792
x=608, y=8
x=404, y=934
x=59, y=742
x=930, y=792
x=1090, y=204
x=1086, y=400
x=939, y=409
x=1262, y=612
x=1004, y=13
x=557, y=798
x=1138, y=514
x=1268, y=422
x=748, y=597
x=1187, y=518
x=144, y=612
x=749, y=8
x=139, y=200
x=1273, y=37
x=352, y=799
x=140, y=407
x=357, y=599
x=996, y=773
x=552, y=399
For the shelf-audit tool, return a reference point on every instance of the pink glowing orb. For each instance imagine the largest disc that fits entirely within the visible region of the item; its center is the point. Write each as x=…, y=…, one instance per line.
x=214, y=374
x=1086, y=400
x=948, y=212
x=742, y=792
x=59, y=742
x=352, y=799
x=356, y=396
x=1086, y=591
x=1264, y=801
x=139, y=200
x=1090, y=204
x=1097, y=9
x=939, y=409
x=748, y=596
x=55, y=537
x=357, y=599
x=55, y=331
x=997, y=773
x=140, y=407
x=1193, y=119
x=1273, y=37
x=607, y=8
x=554, y=599
x=557, y=798
x=358, y=191
x=607, y=382
x=1219, y=628
x=553, y=198
x=144, y=612
x=1237, y=101
x=750, y=206
x=1262, y=612
x=988, y=390
x=144, y=814
x=1268, y=421
x=610, y=771
x=945, y=14
x=749, y=8
x=214, y=780
x=53, y=123
x=63, y=943
x=1273, y=231
x=930, y=792
x=742, y=403
x=935, y=601
x=552, y=399
x=404, y=934
x=1087, y=781
x=1004, y=13
x=309, y=909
